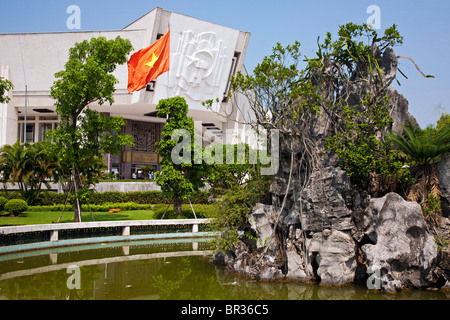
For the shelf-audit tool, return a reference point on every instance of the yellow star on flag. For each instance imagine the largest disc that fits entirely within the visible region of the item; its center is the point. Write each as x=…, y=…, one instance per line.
x=153, y=61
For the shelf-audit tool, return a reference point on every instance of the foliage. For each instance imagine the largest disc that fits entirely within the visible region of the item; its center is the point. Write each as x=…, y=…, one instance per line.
x=16, y=206
x=234, y=209
x=3, y=201
x=282, y=100
x=423, y=146
x=104, y=207
x=201, y=211
x=365, y=155
x=347, y=71
x=179, y=178
x=443, y=123
x=140, y=197
x=29, y=165
x=147, y=168
x=235, y=170
x=5, y=86
x=83, y=134
x=350, y=52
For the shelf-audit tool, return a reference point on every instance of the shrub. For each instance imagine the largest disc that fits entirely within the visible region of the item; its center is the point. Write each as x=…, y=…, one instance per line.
x=16, y=206
x=51, y=197
x=201, y=211
x=3, y=201
x=104, y=207
x=98, y=198
x=54, y=207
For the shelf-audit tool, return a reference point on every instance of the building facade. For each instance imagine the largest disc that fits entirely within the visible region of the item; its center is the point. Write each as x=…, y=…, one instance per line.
x=203, y=57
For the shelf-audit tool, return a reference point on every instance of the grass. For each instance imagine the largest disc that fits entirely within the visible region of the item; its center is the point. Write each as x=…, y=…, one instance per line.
x=46, y=217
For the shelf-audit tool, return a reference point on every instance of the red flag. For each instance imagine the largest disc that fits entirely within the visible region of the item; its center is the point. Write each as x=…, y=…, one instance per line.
x=147, y=64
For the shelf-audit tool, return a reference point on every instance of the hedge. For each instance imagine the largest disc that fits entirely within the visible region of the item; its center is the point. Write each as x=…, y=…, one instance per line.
x=140, y=197
x=3, y=201
x=94, y=207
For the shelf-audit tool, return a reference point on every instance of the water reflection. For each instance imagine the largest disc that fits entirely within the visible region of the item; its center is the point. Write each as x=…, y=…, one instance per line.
x=152, y=271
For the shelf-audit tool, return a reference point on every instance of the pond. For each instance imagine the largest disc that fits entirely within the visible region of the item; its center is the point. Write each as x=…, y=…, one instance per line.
x=156, y=270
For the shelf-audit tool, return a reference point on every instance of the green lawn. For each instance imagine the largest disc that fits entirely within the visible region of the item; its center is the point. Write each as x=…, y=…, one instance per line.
x=31, y=217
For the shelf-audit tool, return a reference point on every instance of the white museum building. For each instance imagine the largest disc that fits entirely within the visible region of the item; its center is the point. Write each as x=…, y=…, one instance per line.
x=203, y=57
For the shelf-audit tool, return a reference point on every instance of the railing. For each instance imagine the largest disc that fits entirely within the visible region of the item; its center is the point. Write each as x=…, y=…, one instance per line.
x=28, y=237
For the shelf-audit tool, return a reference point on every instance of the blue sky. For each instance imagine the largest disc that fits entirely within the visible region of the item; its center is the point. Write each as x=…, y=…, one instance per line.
x=425, y=26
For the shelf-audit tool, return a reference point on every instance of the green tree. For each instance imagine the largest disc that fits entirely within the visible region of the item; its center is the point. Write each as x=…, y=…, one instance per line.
x=5, y=86
x=83, y=134
x=424, y=147
x=368, y=158
x=228, y=174
x=443, y=123
x=238, y=186
x=28, y=165
x=350, y=73
x=183, y=170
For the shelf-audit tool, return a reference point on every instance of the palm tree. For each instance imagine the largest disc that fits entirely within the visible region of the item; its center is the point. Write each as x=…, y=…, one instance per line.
x=424, y=148
x=14, y=164
x=28, y=165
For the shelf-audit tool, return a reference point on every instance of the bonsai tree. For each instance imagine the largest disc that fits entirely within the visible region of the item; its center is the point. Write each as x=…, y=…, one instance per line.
x=183, y=173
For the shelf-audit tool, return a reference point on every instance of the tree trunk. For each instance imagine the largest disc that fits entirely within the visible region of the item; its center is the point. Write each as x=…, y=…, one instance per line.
x=76, y=203
x=177, y=202
x=77, y=210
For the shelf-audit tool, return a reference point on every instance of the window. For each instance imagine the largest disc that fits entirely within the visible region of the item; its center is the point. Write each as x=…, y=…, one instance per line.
x=144, y=134
x=233, y=69
x=44, y=127
x=30, y=133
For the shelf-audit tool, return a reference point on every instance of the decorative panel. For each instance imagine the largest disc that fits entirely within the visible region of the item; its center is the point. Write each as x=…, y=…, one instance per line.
x=144, y=134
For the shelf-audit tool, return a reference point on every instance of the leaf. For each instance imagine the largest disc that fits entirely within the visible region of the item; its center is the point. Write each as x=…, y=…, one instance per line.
x=401, y=72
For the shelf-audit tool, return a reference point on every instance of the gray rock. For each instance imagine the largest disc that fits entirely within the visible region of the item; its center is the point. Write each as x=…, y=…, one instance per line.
x=443, y=174
x=405, y=253
x=261, y=220
x=335, y=257
x=297, y=266
x=399, y=106
x=327, y=201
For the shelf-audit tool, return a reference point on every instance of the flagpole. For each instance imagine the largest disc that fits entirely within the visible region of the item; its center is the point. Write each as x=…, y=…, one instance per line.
x=168, y=71
x=25, y=118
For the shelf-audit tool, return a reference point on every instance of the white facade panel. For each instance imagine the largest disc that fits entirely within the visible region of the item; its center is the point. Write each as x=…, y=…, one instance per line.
x=201, y=56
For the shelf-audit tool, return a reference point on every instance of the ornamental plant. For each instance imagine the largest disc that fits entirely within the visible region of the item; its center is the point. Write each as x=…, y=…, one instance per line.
x=179, y=179
x=16, y=206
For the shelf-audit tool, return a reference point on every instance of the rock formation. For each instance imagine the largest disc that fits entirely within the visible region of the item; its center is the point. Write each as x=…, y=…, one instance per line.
x=402, y=253
x=334, y=234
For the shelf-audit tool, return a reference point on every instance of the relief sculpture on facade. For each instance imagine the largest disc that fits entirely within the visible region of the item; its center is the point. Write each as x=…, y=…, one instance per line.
x=198, y=65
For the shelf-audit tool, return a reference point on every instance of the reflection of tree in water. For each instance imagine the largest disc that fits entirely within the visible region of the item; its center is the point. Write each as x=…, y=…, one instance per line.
x=50, y=285
x=186, y=278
